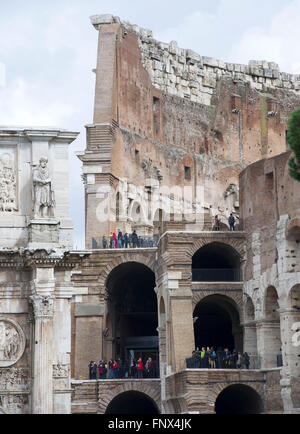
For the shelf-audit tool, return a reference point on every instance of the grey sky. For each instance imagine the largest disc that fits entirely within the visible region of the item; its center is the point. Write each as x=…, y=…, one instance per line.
x=48, y=50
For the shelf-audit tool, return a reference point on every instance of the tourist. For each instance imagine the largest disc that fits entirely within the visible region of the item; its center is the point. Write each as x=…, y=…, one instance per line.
x=134, y=239
x=206, y=358
x=94, y=371
x=126, y=240
x=101, y=370
x=239, y=361
x=148, y=368
x=120, y=238
x=213, y=358
x=104, y=242
x=233, y=359
x=202, y=358
x=110, y=369
x=115, y=369
x=140, y=368
x=231, y=221
x=133, y=370
x=227, y=356
x=246, y=360
x=90, y=369
x=220, y=358
x=217, y=224
x=115, y=241
x=120, y=370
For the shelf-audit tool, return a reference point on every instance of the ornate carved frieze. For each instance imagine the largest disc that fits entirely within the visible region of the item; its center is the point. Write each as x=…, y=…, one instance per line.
x=61, y=377
x=43, y=306
x=12, y=342
x=61, y=371
x=14, y=379
x=8, y=182
x=14, y=403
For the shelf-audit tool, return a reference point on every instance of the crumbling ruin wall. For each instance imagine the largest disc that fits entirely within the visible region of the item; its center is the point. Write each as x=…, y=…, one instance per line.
x=178, y=119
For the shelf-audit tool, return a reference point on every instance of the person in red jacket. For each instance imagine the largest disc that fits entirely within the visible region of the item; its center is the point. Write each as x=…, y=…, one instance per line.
x=140, y=368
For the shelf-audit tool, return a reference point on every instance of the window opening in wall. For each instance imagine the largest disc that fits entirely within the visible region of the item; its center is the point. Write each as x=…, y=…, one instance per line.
x=187, y=173
x=156, y=115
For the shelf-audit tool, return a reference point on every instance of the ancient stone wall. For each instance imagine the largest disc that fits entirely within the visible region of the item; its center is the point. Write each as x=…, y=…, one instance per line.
x=169, y=118
x=270, y=211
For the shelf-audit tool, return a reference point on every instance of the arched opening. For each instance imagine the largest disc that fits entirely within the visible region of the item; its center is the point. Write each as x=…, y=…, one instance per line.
x=295, y=298
x=271, y=330
x=250, y=334
x=217, y=324
x=293, y=231
x=132, y=403
x=216, y=262
x=132, y=307
x=239, y=399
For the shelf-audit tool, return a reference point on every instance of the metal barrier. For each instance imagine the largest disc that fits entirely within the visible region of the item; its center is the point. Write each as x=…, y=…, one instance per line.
x=216, y=275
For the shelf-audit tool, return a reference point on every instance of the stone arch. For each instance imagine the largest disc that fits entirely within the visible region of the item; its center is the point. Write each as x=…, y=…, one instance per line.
x=249, y=310
x=237, y=244
x=292, y=232
x=138, y=257
x=217, y=322
x=256, y=391
x=142, y=387
x=250, y=333
x=294, y=298
x=271, y=303
x=216, y=261
x=133, y=307
x=270, y=329
x=235, y=297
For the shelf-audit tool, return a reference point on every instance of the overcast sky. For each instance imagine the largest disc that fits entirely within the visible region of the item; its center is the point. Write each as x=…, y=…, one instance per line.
x=48, y=51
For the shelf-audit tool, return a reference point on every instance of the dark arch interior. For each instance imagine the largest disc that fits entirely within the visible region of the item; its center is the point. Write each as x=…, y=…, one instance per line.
x=132, y=403
x=216, y=317
x=133, y=311
x=239, y=399
x=216, y=262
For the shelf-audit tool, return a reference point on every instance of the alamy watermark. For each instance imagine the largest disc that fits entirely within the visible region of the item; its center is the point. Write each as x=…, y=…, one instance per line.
x=151, y=204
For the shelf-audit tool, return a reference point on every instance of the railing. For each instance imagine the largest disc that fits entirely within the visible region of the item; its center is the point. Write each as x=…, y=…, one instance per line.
x=140, y=243
x=216, y=275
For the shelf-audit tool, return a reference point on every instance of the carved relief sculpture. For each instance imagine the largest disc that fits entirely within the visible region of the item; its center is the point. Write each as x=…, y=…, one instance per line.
x=12, y=342
x=43, y=194
x=8, y=198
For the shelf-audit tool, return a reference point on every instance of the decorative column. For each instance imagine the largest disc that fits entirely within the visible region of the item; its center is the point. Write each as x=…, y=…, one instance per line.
x=43, y=308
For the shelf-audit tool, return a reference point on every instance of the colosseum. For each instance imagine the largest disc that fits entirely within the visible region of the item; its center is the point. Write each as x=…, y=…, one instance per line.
x=176, y=140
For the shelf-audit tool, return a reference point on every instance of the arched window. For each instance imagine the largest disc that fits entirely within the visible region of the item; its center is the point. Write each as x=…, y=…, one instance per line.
x=216, y=262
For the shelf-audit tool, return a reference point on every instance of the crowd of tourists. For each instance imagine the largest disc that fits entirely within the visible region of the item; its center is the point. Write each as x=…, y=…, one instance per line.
x=117, y=369
x=209, y=358
x=127, y=241
x=118, y=240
